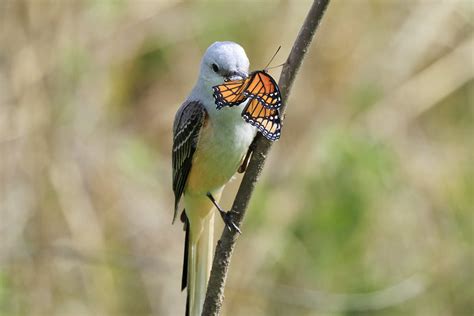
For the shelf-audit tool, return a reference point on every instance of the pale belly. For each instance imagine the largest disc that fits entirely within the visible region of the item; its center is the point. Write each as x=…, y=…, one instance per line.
x=220, y=152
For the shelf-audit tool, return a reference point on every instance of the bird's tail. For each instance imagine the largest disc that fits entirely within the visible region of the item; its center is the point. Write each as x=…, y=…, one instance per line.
x=197, y=262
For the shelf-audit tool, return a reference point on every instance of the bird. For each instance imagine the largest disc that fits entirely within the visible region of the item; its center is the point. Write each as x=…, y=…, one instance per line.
x=209, y=146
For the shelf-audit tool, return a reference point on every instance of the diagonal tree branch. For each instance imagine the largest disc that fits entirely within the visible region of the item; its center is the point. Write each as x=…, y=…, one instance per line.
x=226, y=244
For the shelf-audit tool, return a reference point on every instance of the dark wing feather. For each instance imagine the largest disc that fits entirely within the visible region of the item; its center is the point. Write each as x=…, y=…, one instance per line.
x=187, y=125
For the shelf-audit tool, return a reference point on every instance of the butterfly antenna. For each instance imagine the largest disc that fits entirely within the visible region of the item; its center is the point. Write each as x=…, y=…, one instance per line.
x=273, y=67
x=271, y=59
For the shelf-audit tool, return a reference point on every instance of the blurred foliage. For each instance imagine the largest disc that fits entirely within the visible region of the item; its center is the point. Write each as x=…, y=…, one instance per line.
x=365, y=206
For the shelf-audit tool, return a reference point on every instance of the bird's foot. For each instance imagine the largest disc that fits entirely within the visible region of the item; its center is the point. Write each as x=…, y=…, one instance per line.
x=228, y=218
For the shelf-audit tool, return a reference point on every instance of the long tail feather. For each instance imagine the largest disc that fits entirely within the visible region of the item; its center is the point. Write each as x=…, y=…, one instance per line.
x=184, y=277
x=198, y=264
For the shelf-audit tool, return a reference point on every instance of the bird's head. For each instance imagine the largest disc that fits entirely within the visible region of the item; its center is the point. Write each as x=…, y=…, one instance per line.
x=224, y=61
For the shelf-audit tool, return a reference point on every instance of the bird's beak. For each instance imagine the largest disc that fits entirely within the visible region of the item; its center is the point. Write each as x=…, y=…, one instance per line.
x=235, y=75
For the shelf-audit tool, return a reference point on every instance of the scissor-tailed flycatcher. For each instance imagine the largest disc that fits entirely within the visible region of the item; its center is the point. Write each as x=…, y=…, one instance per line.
x=209, y=145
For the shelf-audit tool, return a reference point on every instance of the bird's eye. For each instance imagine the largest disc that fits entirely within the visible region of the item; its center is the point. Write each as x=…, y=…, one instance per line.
x=215, y=68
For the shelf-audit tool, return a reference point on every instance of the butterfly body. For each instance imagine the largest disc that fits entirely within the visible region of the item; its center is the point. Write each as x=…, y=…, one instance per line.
x=264, y=101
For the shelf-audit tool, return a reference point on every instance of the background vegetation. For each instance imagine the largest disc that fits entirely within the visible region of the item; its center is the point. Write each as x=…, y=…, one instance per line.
x=365, y=206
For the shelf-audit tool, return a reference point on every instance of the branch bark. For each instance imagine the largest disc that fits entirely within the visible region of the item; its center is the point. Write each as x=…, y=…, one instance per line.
x=226, y=244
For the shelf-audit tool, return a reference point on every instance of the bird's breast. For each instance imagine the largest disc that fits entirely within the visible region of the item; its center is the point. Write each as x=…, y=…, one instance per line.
x=223, y=142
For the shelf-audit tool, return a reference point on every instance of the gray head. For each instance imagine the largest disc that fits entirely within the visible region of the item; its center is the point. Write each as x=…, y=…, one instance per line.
x=224, y=61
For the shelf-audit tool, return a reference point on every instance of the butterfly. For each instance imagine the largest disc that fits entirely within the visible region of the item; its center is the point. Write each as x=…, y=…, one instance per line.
x=259, y=85
x=262, y=109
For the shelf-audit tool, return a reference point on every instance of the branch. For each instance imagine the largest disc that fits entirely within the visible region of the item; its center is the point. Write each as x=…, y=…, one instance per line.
x=226, y=244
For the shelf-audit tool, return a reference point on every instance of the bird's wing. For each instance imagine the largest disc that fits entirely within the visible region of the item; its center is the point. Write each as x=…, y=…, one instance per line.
x=187, y=126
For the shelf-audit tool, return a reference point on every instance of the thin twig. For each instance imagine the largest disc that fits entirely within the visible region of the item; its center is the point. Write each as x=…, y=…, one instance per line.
x=225, y=246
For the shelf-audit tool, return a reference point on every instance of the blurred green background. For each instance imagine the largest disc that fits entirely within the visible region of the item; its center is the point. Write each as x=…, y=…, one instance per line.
x=365, y=206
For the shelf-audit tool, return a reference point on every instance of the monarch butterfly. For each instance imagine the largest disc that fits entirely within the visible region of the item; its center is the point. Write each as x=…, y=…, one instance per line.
x=259, y=85
x=262, y=110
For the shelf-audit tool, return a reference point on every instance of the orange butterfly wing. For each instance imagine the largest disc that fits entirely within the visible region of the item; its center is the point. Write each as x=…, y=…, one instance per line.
x=266, y=120
x=264, y=88
x=259, y=85
x=230, y=93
